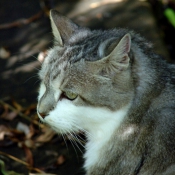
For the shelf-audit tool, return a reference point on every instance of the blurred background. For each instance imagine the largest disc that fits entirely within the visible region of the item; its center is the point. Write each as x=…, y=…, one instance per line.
x=27, y=147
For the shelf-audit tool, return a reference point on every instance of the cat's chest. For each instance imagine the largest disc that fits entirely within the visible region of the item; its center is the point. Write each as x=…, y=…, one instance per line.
x=100, y=138
x=93, y=151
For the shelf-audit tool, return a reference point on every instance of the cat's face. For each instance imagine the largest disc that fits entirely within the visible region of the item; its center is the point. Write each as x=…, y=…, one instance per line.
x=81, y=94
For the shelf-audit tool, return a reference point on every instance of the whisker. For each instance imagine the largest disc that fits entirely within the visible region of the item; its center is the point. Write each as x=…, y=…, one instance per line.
x=36, y=82
x=30, y=78
x=71, y=141
x=79, y=141
x=85, y=131
x=75, y=142
x=82, y=139
x=65, y=142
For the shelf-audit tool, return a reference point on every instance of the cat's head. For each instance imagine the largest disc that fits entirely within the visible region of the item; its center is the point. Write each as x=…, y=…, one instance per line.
x=86, y=77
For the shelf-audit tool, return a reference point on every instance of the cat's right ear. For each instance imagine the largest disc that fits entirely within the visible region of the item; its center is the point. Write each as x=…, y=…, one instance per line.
x=118, y=60
x=62, y=27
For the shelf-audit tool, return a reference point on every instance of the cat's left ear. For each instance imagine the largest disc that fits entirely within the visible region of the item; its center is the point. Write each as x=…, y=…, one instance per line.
x=62, y=27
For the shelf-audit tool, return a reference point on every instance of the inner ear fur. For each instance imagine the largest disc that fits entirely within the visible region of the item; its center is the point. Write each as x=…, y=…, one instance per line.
x=117, y=59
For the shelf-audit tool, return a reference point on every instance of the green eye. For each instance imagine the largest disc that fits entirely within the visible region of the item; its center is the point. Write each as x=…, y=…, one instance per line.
x=70, y=95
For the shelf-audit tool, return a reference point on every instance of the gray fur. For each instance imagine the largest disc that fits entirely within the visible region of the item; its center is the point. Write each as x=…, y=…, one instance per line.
x=143, y=79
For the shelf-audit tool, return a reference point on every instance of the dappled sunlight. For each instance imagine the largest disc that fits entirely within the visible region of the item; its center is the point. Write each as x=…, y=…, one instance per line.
x=26, y=68
x=104, y=2
x=128, y=131
x=18, y=64
x=27, y=51
x=87, y=6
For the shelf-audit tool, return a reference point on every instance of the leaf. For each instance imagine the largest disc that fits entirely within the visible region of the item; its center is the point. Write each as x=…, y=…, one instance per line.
x=46, y=136
x=29, y=109
x=170, y=14
x=17, y=106
x=61, y=159
x=29, y=155
x=11, y=115
x=23, y=127
x=4, y=53
x=7, y=115
x=29, y=143
x=5, y=172
x=32, y=131
x=4, y=131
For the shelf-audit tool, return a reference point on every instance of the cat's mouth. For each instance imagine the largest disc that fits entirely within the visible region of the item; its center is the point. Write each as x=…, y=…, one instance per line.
x=41, y=116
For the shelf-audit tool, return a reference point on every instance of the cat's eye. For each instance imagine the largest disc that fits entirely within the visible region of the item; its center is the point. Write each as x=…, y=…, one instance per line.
x=70, y=95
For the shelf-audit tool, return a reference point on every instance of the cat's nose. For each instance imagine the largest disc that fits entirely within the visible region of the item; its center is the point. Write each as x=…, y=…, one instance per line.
x=43, y=115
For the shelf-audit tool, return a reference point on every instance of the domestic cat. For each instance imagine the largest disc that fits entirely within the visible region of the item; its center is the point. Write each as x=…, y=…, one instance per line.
x=111, y=85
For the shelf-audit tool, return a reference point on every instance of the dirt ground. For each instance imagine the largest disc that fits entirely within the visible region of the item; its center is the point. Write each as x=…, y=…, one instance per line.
x=24, y=33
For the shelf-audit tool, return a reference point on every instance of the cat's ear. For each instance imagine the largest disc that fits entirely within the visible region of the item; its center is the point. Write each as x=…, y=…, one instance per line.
x=117, y=59
x=119, y=56
x=62, y=27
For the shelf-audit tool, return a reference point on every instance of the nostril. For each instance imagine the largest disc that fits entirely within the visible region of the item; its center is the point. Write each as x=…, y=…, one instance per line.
x=43, y=115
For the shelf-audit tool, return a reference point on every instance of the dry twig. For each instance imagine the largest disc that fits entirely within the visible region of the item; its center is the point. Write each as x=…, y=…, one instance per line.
x=21, y=22
x=20, y=161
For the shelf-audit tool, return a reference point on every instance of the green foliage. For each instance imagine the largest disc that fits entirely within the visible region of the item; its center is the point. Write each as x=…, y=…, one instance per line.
x=170, y=15
x=5, y=172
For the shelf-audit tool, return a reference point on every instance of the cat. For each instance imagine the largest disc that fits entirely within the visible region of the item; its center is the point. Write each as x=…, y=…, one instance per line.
x=113, y=87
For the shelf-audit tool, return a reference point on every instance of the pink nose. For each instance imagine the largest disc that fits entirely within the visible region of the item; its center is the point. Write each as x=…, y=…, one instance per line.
x=43, y=115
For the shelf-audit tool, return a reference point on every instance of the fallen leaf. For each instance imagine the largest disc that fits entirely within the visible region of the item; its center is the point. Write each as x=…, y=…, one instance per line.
x=17, y=106
x=5, y=111
x=29, y=155
x=4, y=53
x=23, y=127
x=29, y=143
x=7, y=114
x=4, y=131
x=30, y=109
x=46, y=136
x=31, y=133
x=61, y=159
x=10, y=116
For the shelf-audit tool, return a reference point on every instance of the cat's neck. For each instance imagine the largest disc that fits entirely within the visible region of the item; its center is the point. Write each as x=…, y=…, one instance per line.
x=99, y=136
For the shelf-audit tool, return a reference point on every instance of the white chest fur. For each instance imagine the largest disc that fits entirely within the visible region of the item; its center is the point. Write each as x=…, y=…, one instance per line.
x=100, y=135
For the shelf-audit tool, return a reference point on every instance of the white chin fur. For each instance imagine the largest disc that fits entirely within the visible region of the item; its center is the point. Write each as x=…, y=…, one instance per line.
x=99, y=124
